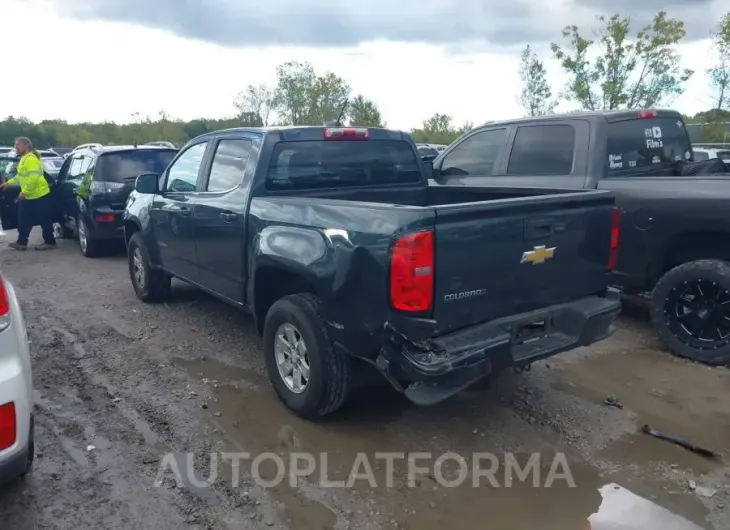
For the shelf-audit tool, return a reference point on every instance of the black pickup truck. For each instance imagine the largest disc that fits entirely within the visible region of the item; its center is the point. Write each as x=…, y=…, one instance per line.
x=332, y=239
x=675, y=220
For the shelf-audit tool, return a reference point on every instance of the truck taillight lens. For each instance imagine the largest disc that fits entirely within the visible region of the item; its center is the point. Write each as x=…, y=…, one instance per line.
x=412, y=272
x=8, y=426
x=346, y=133
x=615, y=231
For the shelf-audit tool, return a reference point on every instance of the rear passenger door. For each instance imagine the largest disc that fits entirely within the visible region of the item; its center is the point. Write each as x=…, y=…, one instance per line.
x=220, y=217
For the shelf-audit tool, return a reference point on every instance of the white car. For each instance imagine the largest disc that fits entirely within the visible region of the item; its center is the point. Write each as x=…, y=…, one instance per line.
x=16, y=389
x=704, y=153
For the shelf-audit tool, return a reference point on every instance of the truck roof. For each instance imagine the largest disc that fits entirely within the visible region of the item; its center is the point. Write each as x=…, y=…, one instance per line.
x=608, y=115
x=290, y=128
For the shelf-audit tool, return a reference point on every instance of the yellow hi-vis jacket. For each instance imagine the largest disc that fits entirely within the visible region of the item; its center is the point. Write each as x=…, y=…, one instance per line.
x=33, y=185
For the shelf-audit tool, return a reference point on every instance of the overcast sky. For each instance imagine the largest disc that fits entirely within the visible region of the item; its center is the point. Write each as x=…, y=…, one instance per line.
x=106, y=59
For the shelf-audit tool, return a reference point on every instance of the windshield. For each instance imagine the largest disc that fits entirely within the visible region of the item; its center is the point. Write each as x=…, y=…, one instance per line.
x=427, y=151
x=128, y=165
x=640, y=143
x=320, y=164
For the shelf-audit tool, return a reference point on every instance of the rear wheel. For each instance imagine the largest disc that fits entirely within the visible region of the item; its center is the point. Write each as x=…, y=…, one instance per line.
x=308, y=375
x=690, y=308
x=89, y=246
x=150, y=285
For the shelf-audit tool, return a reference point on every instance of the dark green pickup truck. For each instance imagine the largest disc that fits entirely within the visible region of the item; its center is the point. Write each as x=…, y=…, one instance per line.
x=349, y=262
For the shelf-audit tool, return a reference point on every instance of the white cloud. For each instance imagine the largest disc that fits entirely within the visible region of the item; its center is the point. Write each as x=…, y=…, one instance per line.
x=107, y=71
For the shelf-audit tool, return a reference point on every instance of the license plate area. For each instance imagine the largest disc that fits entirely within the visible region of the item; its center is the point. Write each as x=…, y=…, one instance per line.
x=531, y=331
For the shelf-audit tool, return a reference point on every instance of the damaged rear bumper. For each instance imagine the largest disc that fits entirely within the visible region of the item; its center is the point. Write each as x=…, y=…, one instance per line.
x=443, y=366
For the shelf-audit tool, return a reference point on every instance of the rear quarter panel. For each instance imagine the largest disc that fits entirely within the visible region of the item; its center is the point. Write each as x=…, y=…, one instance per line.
x=658, y=211
x=341, y=248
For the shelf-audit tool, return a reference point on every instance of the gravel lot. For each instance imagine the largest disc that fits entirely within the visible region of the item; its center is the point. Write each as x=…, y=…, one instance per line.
x=121, y=384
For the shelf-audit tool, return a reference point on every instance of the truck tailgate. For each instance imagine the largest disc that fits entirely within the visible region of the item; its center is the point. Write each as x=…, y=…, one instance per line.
x=510, y=256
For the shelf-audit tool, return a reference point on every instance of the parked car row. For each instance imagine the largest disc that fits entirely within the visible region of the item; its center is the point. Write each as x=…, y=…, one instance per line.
x=354, y=255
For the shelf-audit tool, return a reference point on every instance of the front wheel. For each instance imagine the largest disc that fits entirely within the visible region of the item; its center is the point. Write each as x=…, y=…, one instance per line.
x=690, y=309
x=307, y=374
x=150, y=285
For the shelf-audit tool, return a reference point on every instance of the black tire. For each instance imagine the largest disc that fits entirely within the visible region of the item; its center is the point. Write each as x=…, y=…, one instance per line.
x=680, y=344
x=330, y=371
x=31, y=449
x=155, y=284
x=90, y=247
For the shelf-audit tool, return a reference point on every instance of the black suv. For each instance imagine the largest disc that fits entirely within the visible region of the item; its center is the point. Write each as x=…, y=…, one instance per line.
x=93, y=186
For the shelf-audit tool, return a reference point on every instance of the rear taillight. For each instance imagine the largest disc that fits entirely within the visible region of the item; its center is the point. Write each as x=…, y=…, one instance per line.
x=647, y=114
x=346, y=133
x=615, y=231
x=412, y=272
x=8, y=425
x=105, y=218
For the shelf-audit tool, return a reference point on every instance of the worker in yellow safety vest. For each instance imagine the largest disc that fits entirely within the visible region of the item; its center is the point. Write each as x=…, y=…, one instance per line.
x=36, y=207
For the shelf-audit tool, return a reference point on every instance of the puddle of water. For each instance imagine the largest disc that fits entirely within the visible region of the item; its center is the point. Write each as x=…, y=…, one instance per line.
x=251, y=419
x=623, y=510
x=258, y=423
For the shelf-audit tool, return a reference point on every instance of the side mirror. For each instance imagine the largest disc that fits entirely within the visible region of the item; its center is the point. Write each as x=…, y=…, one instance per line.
x=428, y=168
x=147, y=183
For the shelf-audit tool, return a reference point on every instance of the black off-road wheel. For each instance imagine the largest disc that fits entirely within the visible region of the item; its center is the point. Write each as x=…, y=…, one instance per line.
x=309, y=377
x=150, y=285
x=690, y=309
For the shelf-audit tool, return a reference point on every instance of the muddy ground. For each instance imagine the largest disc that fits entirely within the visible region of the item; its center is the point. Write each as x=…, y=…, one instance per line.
x=120, y=384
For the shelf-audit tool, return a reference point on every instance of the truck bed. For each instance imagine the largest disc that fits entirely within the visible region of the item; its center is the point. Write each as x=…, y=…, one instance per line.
x=498, y=251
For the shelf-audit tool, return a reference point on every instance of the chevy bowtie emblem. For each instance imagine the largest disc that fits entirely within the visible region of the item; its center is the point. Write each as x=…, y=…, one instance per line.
x=538, y=255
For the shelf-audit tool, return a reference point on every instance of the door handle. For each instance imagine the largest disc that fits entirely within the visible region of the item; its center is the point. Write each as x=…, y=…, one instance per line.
x=184, y=211
x=229, y=216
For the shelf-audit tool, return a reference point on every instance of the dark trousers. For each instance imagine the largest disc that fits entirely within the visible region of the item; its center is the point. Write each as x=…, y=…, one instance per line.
x=32, y=212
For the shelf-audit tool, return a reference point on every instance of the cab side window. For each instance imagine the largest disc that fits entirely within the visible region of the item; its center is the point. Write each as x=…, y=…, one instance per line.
x=182, y=176
x=476, y=155
x=542, y=150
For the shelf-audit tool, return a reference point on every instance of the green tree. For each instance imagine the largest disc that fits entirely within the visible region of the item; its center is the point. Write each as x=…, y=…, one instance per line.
x=638, y=71
x=536, y=96
x=364, y=112
x=303, y=97
x=720, y=73
x=439, y=129
x=255, y=104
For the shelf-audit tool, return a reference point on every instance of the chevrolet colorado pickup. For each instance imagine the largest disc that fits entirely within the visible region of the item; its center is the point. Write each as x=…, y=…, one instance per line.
x=348, y=261
x=675, y=221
